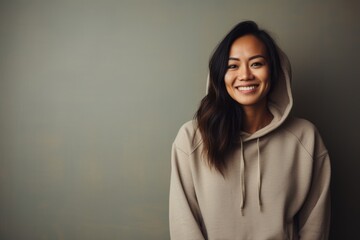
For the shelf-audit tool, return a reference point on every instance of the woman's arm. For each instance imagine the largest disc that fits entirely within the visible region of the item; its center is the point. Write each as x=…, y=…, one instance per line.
x=314, y=216
x=185, y=216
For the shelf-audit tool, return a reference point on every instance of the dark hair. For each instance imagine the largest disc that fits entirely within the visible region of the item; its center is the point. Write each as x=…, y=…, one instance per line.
x=219, y=117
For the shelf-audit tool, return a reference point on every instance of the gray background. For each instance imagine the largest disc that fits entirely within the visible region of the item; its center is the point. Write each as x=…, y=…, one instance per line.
x=92, y=94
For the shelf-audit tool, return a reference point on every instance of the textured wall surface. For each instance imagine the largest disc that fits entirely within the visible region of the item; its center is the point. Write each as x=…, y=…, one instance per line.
x=92, y=94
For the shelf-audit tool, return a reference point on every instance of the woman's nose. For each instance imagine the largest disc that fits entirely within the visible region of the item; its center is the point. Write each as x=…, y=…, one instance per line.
x=245, y=74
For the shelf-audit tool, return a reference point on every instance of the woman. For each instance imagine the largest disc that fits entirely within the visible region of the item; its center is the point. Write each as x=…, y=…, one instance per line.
x=244, y=168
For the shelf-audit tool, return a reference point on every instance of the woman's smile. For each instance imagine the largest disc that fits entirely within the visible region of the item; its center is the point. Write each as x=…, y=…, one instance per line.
x=247, y=89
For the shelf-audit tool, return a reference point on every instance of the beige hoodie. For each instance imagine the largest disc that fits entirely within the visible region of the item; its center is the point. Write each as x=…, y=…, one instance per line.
x=276, y=185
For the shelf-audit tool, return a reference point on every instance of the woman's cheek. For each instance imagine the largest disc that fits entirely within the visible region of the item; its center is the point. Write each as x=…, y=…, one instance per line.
x=227, y=78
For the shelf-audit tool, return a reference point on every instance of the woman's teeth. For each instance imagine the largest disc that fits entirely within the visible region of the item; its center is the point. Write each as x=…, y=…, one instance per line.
x=247, y=88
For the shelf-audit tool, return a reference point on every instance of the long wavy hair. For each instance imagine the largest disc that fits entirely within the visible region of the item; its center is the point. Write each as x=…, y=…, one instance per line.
x=219, y=117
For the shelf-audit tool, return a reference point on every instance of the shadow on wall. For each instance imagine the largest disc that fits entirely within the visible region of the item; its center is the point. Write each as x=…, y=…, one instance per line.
x=317, y=100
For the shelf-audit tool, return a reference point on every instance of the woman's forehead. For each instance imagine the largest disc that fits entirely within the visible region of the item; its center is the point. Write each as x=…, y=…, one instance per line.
x=247, y=46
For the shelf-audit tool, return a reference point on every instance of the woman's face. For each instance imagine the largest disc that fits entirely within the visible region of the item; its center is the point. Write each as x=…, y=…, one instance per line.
x=247, y=78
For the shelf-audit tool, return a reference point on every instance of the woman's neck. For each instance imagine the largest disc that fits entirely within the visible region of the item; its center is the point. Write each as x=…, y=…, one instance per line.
x=255, y=118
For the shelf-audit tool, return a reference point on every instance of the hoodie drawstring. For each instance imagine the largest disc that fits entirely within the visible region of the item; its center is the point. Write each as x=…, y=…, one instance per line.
x=259, y=174
x=242, y=176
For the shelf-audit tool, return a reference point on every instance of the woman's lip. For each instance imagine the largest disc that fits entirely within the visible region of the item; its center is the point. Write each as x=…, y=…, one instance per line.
x=247, y=88
x=248, y=85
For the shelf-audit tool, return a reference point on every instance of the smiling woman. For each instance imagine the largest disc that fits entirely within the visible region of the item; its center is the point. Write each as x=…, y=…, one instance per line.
x=244, y=168
x=247, y=79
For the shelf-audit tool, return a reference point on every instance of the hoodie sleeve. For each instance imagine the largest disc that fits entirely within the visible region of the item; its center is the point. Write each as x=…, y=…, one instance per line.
x=185, y=217
x=314, y=216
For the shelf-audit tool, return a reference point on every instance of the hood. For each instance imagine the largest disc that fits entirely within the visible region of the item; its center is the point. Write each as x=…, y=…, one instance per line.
x=280, y=100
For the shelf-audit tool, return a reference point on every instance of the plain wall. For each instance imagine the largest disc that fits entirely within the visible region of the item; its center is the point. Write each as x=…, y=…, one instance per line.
x=92, y=94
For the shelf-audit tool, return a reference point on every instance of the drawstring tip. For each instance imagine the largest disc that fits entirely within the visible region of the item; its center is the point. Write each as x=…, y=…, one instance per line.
x=242, y=212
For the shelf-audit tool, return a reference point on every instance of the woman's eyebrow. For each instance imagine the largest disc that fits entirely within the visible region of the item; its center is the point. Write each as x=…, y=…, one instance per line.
x=251, y=58
x=233, y=58
x=257, y=56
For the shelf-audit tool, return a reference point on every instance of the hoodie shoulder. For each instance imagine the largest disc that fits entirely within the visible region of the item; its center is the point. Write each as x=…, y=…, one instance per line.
x=307, y=135
x=299, y=125
x=188, y=138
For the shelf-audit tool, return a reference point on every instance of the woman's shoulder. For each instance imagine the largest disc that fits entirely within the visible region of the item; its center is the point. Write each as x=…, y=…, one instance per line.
x=300, y=125
x=306, y=133
x=188, y=138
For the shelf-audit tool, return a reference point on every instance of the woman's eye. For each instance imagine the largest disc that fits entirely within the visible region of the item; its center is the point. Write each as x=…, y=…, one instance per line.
x=232, y=66
x=257, y=64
